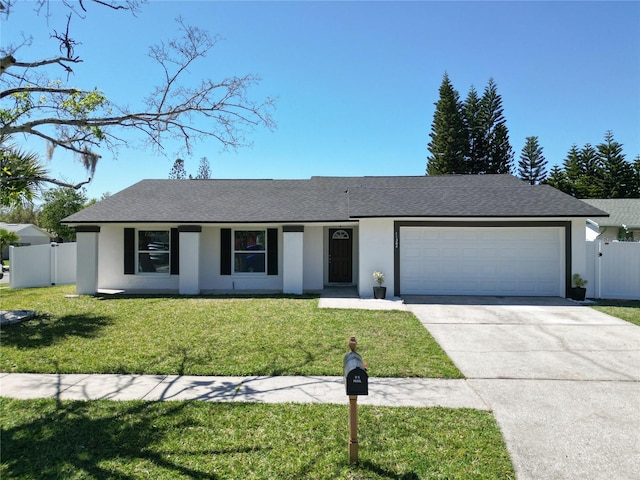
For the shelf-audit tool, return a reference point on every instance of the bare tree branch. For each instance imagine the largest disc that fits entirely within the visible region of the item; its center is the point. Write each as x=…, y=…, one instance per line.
x=83, y=121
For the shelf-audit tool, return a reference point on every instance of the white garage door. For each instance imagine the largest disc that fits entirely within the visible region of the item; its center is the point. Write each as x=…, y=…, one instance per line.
x=482, y=261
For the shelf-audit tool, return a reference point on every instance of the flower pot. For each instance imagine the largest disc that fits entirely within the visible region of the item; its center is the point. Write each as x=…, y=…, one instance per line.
x=379, y=292
x=578, y=293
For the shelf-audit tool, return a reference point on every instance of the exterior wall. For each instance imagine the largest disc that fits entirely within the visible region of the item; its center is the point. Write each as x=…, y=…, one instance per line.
x=111, y=264
x=292, y=261
x=376, y=253
x=313, y=269
x=578, y=248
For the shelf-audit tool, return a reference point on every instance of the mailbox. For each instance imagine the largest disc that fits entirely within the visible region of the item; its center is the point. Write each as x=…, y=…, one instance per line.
x=356, y=379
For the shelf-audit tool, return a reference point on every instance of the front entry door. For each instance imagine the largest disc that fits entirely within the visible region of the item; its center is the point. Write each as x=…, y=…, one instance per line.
x=340, y=255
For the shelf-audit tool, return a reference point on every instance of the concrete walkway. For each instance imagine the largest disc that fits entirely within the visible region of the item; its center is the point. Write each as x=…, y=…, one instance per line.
x=382, y=391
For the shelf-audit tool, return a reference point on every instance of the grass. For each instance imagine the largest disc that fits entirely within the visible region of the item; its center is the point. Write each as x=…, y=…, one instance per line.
x=628, y=310
x=210, y=336
x=167, y=440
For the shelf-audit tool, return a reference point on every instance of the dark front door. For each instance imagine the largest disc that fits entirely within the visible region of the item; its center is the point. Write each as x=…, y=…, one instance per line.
x=340, y=255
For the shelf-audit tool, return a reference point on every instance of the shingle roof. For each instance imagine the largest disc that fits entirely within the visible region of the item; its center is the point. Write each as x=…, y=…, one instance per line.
x=622, y=211
x=325, y=199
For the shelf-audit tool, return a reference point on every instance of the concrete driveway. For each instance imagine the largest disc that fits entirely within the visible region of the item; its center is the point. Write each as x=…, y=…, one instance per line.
x=562, y=379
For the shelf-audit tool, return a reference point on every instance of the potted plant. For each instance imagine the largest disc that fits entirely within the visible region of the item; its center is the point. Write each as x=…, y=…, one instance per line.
x=379, y=292
x=578, y=290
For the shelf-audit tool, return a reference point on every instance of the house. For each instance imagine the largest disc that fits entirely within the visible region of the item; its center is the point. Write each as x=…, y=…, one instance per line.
x=28, y=233
x=623, y=222
x=451, y=234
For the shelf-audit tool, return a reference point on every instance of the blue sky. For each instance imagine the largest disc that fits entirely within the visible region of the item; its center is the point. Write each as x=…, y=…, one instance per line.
x=356, y=82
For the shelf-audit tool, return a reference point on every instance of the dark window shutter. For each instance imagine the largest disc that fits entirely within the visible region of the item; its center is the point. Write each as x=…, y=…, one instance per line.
x=129, y=251
x=272, y=251
x=175, y=252
x=225, y=251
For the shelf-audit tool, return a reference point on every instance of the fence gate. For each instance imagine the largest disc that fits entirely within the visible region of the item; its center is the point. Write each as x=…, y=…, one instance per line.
x=613, y=270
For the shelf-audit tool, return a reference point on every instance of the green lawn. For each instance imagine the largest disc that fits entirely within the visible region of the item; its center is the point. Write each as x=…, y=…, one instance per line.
x=46, y=439
x=628, y=310
x=210, y=336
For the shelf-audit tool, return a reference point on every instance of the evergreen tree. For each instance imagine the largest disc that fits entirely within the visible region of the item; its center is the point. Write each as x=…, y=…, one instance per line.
x=177, y=171
x=557, y=178
x=476, y=156
x=636, y=176
x=532, y=166
x=204, y=171
x=589, y=183
x=499, y=155
x=449, y=145
x=618, y=178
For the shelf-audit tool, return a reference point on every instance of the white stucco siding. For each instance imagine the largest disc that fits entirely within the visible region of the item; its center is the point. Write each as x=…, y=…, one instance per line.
x=578, y=248
x=111, y=263
x=313, y=268
x=376, y=253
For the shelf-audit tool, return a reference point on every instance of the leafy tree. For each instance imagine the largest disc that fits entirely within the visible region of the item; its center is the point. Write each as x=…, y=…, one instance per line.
x=498, y=155
x=618, y=178
x=449, y=144
x=58, y=204
x=7, y=238
x=40, y=102
x=178, y=171
x=204, y=171
x=532, y=166
x=26, y=213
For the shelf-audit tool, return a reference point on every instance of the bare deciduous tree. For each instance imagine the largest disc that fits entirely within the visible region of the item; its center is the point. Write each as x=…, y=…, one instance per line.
x=39, y=100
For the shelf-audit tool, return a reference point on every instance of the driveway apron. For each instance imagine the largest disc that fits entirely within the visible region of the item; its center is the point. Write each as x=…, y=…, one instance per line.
x=562, y=379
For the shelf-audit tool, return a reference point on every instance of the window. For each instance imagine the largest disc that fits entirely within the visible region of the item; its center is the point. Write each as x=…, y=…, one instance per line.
x=153, y=251
x=249, y=251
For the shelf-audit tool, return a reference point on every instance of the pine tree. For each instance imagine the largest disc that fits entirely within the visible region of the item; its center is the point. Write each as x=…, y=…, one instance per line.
x=589, y=182
x=618, y=178
x=476, y=156
x=204, y=171
x=449, y=145
x=557, y=178
x=177, y=171
x=499, y=155
x=532, y=166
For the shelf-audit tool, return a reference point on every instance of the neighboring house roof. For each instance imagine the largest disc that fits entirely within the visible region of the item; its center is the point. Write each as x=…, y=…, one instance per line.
x=622, y=211
x=331, y=199
x=25, y=229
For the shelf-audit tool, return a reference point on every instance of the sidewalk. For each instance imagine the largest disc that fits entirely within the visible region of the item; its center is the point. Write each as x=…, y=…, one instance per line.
x=413, y=392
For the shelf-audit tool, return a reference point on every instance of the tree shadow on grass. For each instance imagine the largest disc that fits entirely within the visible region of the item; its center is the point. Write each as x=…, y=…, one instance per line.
x=103, y=440
x=45, y=330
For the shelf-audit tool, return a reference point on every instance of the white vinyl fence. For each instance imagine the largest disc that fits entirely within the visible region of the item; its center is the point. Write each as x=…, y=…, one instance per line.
x=42, y=265
x=613, y=270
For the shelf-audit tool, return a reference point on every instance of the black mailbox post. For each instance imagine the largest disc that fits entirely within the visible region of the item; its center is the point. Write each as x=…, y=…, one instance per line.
x=356, y=379
x=356, y=382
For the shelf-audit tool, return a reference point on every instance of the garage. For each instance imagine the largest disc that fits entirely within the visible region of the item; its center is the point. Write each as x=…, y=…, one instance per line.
x=524, y=260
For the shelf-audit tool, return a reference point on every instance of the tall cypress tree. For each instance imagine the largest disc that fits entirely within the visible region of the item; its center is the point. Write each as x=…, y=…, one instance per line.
x=618, y=178
x=448, y=145
x=532, y=166
x=499, y=155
